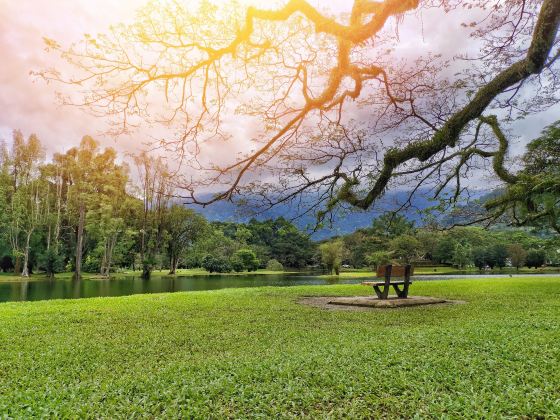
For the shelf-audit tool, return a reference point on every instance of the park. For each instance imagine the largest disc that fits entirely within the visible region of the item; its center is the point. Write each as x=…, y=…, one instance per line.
x=245, y=209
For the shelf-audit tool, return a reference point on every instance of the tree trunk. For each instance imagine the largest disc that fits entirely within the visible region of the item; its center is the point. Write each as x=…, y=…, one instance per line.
x=173, y=264
x=103, y=265
x=25, y=271
x=146, y=271
x=109, y=254
x=80, y=242
x=17, y=265
x=58, y=210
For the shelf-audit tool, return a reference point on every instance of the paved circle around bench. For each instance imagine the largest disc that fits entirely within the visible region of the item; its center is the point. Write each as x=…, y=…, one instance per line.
x=367, y=302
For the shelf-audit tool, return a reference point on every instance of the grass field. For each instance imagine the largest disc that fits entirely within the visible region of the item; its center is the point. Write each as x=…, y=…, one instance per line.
x=256, y=352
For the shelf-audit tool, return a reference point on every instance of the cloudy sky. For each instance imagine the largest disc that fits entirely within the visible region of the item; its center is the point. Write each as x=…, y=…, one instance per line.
x=30, y=105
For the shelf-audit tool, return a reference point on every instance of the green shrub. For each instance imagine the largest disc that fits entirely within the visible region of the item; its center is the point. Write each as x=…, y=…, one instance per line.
x=216, y=264
x=274, y=265
x=535, y=258
x=51, y=262
x=237, y=264
x=91, y=264
x=378, y=258
x=248, y=258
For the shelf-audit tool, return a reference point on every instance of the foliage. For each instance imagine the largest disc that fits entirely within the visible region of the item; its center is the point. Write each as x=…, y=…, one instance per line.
x=236, y=264
x=490, y=256
x=535, y=258
x=247, y=258
x=534, y=198
x=6, y=263
x=331, y=255
x=390, y=225
x=517, y=255
x=481, y=258
x=379, y=258
x=500, y=254
x=218, y=264
x=51, y=262
x=274, y=265
x=444, y=250
x=360, y=245
x=284, y=241
x=462, y=255
x=405, y=248
x=184, y=227
x=86, y=207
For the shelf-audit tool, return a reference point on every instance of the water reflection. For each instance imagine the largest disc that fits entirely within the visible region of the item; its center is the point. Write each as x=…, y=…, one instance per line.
x=75, y=289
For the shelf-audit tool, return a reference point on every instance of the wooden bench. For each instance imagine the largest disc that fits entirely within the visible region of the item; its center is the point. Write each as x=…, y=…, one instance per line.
x=387, y=272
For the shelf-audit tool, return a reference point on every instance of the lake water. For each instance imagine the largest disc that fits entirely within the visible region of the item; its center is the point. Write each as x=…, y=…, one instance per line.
x=75, y=289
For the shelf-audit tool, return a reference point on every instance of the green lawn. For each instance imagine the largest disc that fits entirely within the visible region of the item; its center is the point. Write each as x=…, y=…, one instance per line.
x=256, y=352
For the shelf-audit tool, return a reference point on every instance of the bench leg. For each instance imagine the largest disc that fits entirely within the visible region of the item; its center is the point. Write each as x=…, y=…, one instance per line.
x=405, y=289
x=401, y=293
x=381, y=294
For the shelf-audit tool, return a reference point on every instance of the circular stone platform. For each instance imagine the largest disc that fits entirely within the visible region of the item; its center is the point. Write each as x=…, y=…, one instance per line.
x=366, y=302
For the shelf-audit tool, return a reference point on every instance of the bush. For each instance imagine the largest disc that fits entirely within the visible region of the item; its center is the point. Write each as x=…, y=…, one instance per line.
x=237, y=264
x=193, y=260
x=274, y=265
x=500, y=255
x=517, y=255
x=479, y=258
x=492, y=256
x=216, y=264
x=535, y=258
x=405, y=247
x=91, y=264
x=51, y=262
x=248, y=259
x=331, y=255
x=462, y=255
x=379, y=258
x=6, y=263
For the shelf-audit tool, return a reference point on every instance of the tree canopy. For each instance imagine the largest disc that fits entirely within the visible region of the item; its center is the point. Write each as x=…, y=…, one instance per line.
x=302, y=75
x=534, y=198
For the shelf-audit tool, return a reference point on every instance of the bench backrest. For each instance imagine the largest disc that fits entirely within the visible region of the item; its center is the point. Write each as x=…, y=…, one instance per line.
x=396, y=270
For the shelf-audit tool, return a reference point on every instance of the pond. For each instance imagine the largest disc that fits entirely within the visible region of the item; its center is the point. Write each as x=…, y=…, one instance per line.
x=75, y=289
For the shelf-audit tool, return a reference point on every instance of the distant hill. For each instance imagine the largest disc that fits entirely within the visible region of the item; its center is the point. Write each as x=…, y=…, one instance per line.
x=344, y=223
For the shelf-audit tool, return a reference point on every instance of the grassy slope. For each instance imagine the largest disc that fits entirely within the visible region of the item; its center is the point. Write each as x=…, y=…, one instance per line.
x=248, y=352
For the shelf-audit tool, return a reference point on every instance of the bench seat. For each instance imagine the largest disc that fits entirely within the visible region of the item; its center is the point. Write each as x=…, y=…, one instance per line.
x=382, y=283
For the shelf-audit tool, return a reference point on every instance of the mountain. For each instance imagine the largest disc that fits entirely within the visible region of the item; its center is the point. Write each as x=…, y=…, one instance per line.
x=343, y=223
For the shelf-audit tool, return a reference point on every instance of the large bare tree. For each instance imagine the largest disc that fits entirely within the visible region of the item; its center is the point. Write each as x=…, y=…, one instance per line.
x=335, y=110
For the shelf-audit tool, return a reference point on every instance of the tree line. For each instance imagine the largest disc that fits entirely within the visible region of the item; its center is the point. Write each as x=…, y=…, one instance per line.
x=84, y=211
x=393, y=239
